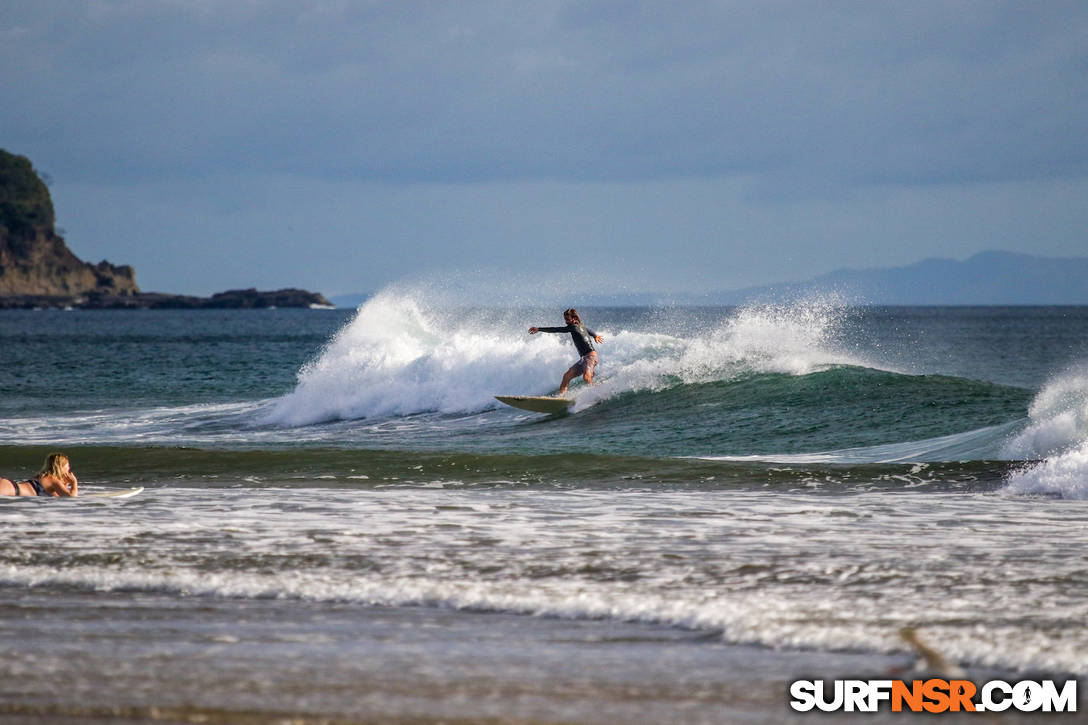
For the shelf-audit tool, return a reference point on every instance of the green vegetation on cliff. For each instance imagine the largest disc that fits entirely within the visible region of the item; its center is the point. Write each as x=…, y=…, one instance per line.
x=37, y=269
x=25, y=205
x=34, y=260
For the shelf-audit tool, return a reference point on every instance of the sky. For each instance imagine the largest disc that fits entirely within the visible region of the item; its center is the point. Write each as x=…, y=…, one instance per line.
x=605, y=145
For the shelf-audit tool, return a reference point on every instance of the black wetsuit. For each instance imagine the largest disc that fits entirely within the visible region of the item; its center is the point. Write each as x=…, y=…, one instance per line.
x=583, y=336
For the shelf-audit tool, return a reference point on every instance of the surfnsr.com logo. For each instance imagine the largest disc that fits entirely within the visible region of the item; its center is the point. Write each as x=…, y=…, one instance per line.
x=933, y=695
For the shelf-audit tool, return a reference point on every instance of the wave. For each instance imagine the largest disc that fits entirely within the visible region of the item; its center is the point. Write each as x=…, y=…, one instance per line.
x=794, y=602
x=774, y=620
x=402, y=355
x=351, y=469
x=836, y=415
x=1057, y=437
x=975, y=445
x=201, y=422
x=769, y=382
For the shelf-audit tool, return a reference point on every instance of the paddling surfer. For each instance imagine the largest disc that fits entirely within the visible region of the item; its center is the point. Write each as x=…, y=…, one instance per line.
x=55, y=479
x=583, y=340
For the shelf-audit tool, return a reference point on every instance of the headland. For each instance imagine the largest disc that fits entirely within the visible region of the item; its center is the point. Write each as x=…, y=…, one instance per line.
x=39, y=271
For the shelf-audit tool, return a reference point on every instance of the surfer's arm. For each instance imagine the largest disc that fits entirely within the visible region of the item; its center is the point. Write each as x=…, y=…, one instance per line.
x=58, y=487
x=594, y=335
x=69, y=487
x=534, y=330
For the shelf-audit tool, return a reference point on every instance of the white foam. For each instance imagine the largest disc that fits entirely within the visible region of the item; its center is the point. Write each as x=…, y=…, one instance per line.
x=782, y=570
x=402, y=355
x=785, y=617
x=1057, y=434
x=1065, y=475
x=203, y=421
x=397, y=357
x=1059, y=418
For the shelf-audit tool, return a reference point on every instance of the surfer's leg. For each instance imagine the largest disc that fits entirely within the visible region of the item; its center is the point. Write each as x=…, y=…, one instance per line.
x=567, y=377
x=590, y=366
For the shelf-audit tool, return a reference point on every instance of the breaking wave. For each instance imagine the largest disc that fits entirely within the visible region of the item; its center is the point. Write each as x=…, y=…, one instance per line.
x=1056, y=437
x=401, y=355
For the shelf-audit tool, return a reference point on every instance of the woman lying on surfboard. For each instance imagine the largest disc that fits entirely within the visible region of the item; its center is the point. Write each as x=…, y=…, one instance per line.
x=55, y=479
x=583, y=340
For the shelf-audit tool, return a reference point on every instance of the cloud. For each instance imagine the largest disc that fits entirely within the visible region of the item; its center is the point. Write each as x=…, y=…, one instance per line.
x=798, y=97
x=685, y=146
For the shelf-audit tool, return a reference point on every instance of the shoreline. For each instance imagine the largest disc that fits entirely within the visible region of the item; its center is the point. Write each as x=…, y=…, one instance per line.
x=157, y=658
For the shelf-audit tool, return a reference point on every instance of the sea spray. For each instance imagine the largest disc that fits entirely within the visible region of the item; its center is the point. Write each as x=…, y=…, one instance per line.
x=1057, y=436
x=1058, y=415
x=398, y=357
x=795, y=339
x=404, y=354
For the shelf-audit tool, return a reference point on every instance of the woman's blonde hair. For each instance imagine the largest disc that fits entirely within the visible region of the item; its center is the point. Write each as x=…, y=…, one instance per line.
x=573, y=314
x=52, y=466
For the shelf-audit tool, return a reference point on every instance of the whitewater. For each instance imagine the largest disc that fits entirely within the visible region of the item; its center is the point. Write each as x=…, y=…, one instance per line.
x=406, y=365
x=398, y=357
x=761, y=492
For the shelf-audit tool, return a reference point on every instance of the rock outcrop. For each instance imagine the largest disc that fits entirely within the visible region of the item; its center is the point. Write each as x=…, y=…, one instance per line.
x=249, y=299
x=38, y=271
x=34, y=260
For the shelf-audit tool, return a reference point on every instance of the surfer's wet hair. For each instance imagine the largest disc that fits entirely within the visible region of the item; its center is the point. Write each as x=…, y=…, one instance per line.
x=54, y=466
x=573, y=315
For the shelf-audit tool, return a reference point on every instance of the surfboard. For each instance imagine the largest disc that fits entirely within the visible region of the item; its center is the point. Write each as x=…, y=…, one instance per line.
x=538, y=403
x=120, y=493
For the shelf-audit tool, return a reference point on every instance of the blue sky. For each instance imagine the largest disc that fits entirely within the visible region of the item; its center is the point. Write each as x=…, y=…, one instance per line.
x=615, y=145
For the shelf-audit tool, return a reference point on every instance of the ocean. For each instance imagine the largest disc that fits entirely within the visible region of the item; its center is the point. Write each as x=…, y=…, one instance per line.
x=340, y=524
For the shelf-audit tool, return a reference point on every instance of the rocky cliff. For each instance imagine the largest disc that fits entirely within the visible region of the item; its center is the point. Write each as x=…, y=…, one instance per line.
x=34, y=260
x=37, y=270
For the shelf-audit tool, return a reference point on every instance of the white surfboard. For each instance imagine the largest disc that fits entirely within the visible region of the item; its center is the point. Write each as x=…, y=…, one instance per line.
x=120, y=493
x=538, y=403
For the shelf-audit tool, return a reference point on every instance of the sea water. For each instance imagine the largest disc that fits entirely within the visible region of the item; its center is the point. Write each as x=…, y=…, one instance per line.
x=340, y=521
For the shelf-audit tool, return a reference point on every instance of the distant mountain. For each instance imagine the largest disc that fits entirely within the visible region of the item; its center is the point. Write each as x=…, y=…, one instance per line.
x=988, y=278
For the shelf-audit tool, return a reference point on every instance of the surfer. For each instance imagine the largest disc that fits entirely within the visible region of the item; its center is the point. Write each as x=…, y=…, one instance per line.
x=55, y=479
x=583, y=340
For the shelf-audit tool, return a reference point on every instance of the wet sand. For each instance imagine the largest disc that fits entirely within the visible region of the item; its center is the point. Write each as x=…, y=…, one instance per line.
x=88, y=657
